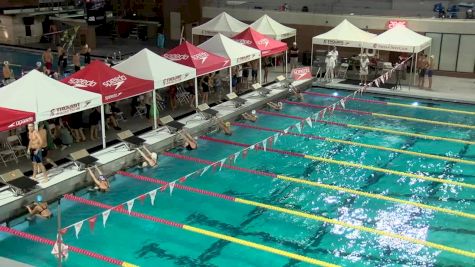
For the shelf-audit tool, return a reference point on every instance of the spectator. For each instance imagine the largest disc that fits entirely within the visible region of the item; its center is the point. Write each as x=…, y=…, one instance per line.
x=94, y=119
x=110, y=116
x=172, y=91
x=430, y=66
x=77, y=62
x=246, y=67
x=77, y=126
x=267, y=65
x=364, y=63
x=190, y=88
x=87, y=54
x=7, y=73
x=48, y=59
x=218, y=85
x=294, y=56
x=205, y=84
x=62, y=61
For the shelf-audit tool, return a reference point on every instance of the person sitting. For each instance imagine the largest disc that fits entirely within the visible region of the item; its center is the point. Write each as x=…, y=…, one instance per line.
x=39, y=208
x=189, y=141
x=151, y=158
x=62, y=136
x=225, y=126
x=101, y=181
x=277, y=107
x=250, y=117
x=110, y=117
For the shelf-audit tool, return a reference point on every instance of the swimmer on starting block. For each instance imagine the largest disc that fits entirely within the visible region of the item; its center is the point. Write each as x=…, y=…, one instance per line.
x=250, y=117
x=101, y=181
x=278, y=107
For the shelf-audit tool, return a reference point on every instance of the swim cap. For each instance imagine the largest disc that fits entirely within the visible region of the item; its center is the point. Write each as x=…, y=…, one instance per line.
x=227, y=124
x=102, y=177
x=253, y=112
x=144, y=164
x=39, y=198
x=154, y=156
x=38, y=64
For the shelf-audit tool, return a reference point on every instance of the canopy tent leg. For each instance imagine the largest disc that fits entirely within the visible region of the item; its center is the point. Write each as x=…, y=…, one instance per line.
x=230, y=79
x=311, y=59
x=412, y=71
x=192, y=39
x=103, y=126
x=286, y=64
x=413, y=80
x=154, y=106
x=196, y=92
x=260, y=70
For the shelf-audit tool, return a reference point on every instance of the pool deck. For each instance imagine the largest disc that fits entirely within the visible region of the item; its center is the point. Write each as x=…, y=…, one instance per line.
x=118, y=157
x=460, y=90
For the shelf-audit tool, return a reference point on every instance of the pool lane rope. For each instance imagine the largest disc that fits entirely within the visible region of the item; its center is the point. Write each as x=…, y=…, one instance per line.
x=327, y=186
x=84, y=252
x=346, y=163
x=367, y=128
x=305, y=215
x=388, y=103
x=197, y=230
x=334, y=140
x=381, y=115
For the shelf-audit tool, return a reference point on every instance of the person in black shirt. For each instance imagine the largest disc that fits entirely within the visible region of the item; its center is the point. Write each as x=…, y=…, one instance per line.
x=87, y=55
x=294, y=56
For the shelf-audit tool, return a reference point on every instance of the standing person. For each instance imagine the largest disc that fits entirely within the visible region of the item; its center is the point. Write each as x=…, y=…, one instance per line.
x=7, y=73
x=62, y=61
x=77, y=62
x=190, y=88
x=430, y=67
x=239, y=77
x=87, y=54
x=334, y=55
x=330, y=65
x=205, y=85
x=172, y=91
x=48, y=59
x=422, y=70
x=44, y=141
x=76, y=126
x=94, y=119
x=267, y=65
x=218, y=85
x=34, y=147
x=364, y=63
x=148, y=100
x=254, y=69
x=294, y=56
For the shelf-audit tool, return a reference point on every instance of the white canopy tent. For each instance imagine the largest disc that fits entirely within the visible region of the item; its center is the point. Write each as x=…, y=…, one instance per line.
x=400, y=39
x=344, y=34
x=228, y=48
x=223, y=23
x=268, y=26
x=150, y=66
x=48, y=98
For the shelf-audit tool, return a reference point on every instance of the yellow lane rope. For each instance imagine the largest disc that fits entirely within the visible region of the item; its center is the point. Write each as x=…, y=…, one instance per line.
x=423, y=136
x=425, y=155
x=360, y=228
x=423, y=121
x=399, y=173
x=375, y=196
x=261, y=247
x=431, y=108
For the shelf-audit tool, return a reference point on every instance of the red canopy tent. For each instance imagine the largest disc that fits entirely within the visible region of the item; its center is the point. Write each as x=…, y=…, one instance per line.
x=112, y=84
x=11, y=118
x=263, y=43
x=266, y=45
x=204, y=62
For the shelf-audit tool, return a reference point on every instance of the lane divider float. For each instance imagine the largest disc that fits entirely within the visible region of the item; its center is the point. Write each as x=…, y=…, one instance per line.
x=388, y=103
x=347, y=164
x=325, y=186
x=201, y=231
x=305, y=215
x=381, y=115
x=368, y=128
x=340, y=141
x=49, y=242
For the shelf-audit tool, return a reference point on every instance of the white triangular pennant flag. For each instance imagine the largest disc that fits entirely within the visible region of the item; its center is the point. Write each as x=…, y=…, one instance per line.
x=222, y=163
x=386, y=75
x=105, y=216
x=309, y=122
x=299, y=127
x=77, y=228
x=382, y=79
x=376, y=82
x=152, y=195
x=236, y=155
x=342, y=103
x=323, y=112
x=252, y=147
x=264, y=145
x=172, y=185
x=276, y=136
x=130, y=205
x=205, y=169
x=286, y=130
x=333, y=108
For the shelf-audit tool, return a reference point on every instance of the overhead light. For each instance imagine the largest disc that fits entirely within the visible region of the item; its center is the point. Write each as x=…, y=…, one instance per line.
x=415, y=104
x=335, y=94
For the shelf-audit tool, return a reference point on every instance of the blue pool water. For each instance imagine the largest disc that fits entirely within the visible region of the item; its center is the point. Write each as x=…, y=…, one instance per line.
x=147, y=243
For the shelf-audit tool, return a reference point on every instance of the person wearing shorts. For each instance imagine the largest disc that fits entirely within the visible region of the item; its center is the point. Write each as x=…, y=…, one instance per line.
x=423, y=64
x=34, y=147
x=430, y=65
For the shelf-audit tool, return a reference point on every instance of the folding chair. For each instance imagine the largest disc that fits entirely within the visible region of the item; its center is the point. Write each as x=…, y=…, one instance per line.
x=342, y=70
x=183, y=96
x=15, y=144
x=130, y=140
x=261, y=90
x=18, y=182
x=7, y=154
x=141, y=111
x=82, y=159
x=206, y=112
x=172, y=125
x=236, y=100
x=119, y=116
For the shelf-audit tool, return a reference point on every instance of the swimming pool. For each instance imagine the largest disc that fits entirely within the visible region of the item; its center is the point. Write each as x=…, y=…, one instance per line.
x=146, y=243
